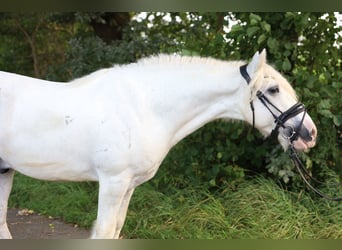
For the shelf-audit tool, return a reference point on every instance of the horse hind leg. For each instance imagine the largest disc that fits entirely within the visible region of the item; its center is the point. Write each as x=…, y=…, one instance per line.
x=6, y=180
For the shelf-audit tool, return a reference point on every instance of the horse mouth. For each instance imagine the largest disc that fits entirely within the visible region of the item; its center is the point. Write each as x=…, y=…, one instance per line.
x=301, y=138
x=307, y=138
x=303, y=145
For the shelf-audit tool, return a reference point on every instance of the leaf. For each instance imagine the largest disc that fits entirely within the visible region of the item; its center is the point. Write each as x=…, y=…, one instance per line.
x=252, y=30
x=326, y=113
x=254, y=19
x=236, y=28
x=272, y=43
x=337, y=120
x=212, y=182
x=324, y=104
x=219, y=155
x=286, y=66
x=266, y=26
x=288, y=45
x=261, y=38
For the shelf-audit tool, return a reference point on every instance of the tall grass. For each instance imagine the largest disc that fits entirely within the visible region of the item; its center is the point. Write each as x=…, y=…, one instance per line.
x=257, y=209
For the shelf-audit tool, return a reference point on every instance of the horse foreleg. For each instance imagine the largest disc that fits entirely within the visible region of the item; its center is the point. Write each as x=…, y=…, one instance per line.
x=122, y=212
x=6, y=181
x=112, y=193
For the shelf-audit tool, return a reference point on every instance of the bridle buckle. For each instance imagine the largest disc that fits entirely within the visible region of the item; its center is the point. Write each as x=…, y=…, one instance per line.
x=289, y=133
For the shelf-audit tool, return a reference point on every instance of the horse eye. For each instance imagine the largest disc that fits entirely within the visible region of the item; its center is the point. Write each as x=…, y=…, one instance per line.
x=273, y=90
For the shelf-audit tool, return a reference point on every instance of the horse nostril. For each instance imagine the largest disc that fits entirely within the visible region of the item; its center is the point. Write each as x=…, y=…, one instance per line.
x=307, y=134
x=313, y=133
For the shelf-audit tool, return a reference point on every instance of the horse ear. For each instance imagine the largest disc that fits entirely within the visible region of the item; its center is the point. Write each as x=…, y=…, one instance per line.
x=257, y=62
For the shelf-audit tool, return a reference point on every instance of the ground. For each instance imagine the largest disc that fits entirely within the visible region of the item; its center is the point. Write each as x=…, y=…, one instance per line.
x=26, y=224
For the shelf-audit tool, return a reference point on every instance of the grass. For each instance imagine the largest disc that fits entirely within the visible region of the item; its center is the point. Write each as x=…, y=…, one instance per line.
x=258, y=209
x=73, y=202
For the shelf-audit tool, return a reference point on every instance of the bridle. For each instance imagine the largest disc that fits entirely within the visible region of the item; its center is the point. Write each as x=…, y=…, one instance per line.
x=291, y=134
x=279, y=120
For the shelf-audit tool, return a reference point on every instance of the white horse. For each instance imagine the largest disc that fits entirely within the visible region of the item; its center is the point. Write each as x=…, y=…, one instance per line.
x=116, y=125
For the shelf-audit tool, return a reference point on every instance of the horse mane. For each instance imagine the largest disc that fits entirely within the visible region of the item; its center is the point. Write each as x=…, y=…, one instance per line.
x=87, y=78
x=181, y=60
x=176, y=60
x=258, y=82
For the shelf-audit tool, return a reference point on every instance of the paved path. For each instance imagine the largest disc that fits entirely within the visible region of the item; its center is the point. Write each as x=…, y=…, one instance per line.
x=25, y=224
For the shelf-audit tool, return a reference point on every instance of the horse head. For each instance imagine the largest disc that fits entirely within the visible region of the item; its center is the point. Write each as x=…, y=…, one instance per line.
x=274, y=106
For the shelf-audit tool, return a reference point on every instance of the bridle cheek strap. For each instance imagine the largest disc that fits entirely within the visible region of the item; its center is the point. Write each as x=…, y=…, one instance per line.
x=281, y=119
x=245, y=75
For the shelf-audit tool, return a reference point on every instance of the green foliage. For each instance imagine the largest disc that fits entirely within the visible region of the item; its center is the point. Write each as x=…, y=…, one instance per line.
x=31, y=42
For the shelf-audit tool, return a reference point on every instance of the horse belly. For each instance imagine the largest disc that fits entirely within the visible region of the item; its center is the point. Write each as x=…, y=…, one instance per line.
x=50, y=163
x=56, y=171
x=49, y=156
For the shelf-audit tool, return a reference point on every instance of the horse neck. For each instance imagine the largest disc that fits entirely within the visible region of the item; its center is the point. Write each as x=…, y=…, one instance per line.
x=192, y=95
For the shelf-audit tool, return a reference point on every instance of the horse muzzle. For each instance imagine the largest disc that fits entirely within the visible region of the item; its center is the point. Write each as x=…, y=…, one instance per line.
x=302, y=135
x=294, y=125
x=306, y=134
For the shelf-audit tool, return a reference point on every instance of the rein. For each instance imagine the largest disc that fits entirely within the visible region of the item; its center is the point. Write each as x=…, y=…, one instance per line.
x=306, y=176
x=292, y=134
